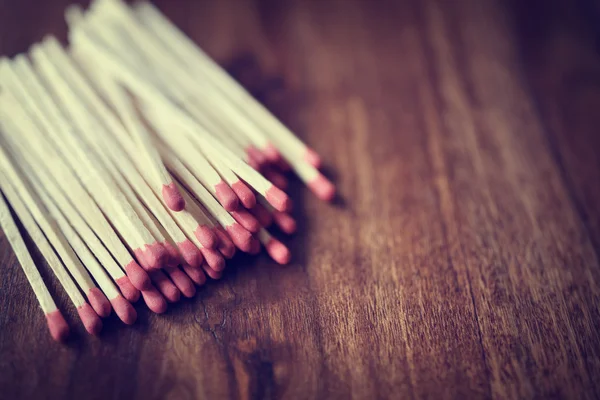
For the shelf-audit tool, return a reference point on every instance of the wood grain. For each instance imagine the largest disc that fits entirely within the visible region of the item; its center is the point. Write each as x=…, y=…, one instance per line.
x=462, y=258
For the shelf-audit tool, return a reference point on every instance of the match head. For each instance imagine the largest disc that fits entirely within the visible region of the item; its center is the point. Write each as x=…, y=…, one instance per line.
x=124, y=310
x=190, y=253
x=262, y=215
x=138, y=277
x=274, y=156
x=212, y=273
x=206, y=236
x=322, y=188
x=226, y=246
x=226, y=196
x=285, y=222
x=278, y=251
x=254, y=247
x=246, y=219
x=311, y=157
x=154, y=300
x=214, y=259
x=244, y=193
x=256, y=155
x=172, y=197
x=127, y=289
x=276, y=178
x=240, y=236
x=165, y=286
x=182, y=281
x=90, y=319
x=174, y=256
x=195, y=274
x=58, y=327
x=99, y=302
x=155, y=255
x=278, y=199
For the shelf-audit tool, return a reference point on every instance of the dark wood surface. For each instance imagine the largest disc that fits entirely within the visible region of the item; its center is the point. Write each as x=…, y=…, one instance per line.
x=462, y=258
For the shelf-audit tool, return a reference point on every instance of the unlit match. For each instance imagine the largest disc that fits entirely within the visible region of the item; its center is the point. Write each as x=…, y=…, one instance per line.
x=138, y=166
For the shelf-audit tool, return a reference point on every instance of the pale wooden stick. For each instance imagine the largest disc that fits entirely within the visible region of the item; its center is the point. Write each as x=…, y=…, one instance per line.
x=59, y=330
x=161, y=105
x=183, y=218
x=197, y=162
x=88, y=316
x=215, y=116
x=201, y=64
x=47, y=113
x=122, y=307
x=103, y=187
x=240, y=236
x=66, y=208
x=303, y=159
x=51, y=230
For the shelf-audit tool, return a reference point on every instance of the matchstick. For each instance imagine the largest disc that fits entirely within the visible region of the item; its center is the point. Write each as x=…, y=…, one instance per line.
x=179, y=44
x=95, y=296
x=59, y=330
x=88, y=316
x=96, y=179
x=55, y=172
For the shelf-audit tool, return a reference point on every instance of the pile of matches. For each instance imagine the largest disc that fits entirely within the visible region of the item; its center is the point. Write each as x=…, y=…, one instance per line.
x=137, y=165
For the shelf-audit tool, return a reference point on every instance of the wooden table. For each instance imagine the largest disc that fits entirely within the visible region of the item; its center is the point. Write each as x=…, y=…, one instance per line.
x=462, y=258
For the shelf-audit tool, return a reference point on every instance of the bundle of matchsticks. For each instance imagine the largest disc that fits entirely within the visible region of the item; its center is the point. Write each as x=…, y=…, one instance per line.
x=137, y=165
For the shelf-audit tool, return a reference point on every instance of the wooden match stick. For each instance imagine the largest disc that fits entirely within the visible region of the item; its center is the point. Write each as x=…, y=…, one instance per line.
x=59, y=330
x=50, y=118
x=303, y=159
x=97, y=299
x=161, y=105
x=88, y=316
x=97, y=179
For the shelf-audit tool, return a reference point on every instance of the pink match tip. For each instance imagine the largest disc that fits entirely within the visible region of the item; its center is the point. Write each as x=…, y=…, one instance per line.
x=172, y=197
x=256, y=155
x=274, y=156
x=275, y=178
x=285, y=222
x=278, y=251
x=155, y=255
x=226, y=196
x=165, y=286
x=214, y=259
x=174, y=256
x=138, y=277
x=226, y=246
x=278, y=199
x=322, y=188
x=90, y=319
x=154, y=300
x=124, y=310
x=240, y=236
x=262, y=215
x=246, y=219
x=254, y=247
x=58, y=327
x=127, y=289
x=244, y=193
x=212, y=273
x=99, y=302
x=195, y=274
x=206, y=236
x=182, y=281
x=312, y=158
x=190, y=253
